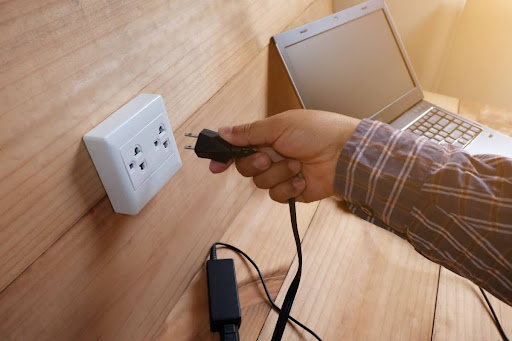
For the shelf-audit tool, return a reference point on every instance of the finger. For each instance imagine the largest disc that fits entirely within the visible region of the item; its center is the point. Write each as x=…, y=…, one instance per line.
x=277, y=173
x=253, y=165
x=288, y=189
x=252, y=134
x=219, y=167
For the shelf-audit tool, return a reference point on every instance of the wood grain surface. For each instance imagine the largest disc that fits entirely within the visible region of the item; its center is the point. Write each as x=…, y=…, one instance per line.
x=113, y=276
x=359, y=282
x=67, y=65
x=263, y=231
x=462, y=313
x=72, y=269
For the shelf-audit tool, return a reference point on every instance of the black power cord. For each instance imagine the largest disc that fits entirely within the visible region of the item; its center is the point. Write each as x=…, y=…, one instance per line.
x=496, y=320
x=213, y=255
x=226, y=318
x=210, y=145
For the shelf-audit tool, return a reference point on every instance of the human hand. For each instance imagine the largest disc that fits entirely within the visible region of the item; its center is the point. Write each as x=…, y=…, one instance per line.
x=310, y=141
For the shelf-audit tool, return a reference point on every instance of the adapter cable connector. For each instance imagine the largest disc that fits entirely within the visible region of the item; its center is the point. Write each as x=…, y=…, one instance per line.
x=211, y=146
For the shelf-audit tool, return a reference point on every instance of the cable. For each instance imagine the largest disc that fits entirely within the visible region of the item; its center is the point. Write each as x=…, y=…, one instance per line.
x=284, y=314
x=496, y=320
x=211, y=146
x=213, y=254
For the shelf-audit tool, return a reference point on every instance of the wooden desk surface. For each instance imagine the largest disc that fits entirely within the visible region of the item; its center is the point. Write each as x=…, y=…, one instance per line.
x=359, y=282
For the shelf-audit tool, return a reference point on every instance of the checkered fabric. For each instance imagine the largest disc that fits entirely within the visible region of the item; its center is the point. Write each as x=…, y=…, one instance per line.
x=454, y=208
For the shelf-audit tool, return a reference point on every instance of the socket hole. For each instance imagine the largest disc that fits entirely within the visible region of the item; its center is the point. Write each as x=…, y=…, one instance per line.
x=142, y=166
x=131, y=165
x=156, y=143
x=166, y=143
x=137, y=150
x=161, y=129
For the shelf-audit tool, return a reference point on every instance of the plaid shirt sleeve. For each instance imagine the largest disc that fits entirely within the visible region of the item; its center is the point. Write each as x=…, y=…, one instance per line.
x=454, y=208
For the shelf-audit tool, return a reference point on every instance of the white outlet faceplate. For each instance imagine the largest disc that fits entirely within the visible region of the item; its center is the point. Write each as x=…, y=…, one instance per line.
x=134, y=152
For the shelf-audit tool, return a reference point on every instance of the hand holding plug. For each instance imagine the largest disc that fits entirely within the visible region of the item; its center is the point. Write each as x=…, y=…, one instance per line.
x=294, y=154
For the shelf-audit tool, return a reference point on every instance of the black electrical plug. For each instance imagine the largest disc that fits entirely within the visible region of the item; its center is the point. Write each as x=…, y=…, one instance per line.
x=211, y=146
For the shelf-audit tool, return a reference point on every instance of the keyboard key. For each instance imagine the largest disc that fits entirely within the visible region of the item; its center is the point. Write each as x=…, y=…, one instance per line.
x=429, y=135
x=434, y=119
x=428, y=125
x=465, y=125
x=433, y=130
x=471, y=133
x=438, y=127
x=418, y=132
x=438, y=138
x=449, y=140
x=466, y=137
x=475, y=129
x=450, y=127
x=457, y=121
x=443, y=122
x=443, y=134
x=422, y=129
x=461, y=140
x=456, y=134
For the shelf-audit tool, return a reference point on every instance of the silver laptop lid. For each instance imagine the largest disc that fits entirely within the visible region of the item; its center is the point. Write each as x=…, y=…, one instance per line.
x=351, y=62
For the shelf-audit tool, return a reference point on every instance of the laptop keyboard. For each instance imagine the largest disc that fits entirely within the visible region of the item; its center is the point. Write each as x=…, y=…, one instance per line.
x=444, y=128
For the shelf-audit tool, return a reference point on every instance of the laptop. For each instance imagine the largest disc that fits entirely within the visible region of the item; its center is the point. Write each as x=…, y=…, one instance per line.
x=353, y=62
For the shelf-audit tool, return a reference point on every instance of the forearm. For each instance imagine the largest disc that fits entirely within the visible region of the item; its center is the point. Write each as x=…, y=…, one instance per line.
x=453, y=208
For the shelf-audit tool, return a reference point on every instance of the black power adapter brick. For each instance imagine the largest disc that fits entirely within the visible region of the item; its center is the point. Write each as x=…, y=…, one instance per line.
x=224, y=305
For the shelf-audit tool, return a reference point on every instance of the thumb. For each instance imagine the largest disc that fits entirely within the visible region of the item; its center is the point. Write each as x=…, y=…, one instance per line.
x=251, y=134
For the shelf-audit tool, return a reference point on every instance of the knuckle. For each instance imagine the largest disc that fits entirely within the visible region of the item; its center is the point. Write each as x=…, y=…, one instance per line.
x=243, y=168
x=275, y=195
x=243, y=129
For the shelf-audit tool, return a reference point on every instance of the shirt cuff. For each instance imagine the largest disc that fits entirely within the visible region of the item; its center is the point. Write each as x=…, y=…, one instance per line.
x=381, y=170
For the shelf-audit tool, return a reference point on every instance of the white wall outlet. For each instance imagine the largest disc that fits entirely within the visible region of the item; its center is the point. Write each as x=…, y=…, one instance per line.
x=134, y=152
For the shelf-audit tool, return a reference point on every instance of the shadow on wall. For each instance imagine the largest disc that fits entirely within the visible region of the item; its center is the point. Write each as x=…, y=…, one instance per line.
x=280, y=92
x=479, y=67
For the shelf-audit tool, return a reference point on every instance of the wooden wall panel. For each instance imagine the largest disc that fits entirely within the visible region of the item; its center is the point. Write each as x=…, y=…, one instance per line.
x=67, y=65
x=114, y=276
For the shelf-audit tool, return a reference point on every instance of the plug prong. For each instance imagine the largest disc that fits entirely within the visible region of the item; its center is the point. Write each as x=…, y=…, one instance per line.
x=191, y=135
x=189, y=147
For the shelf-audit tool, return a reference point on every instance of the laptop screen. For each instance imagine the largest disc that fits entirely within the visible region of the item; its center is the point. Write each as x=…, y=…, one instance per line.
x=355, y=69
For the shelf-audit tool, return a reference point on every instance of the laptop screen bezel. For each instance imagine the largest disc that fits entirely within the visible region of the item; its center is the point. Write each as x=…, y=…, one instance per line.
x=391, y=111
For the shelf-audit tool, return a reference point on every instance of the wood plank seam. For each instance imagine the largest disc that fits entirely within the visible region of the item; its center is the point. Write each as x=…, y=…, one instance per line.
x=435, y=305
